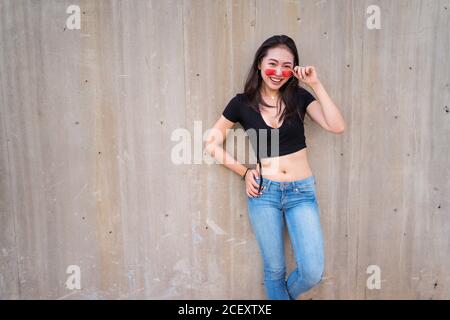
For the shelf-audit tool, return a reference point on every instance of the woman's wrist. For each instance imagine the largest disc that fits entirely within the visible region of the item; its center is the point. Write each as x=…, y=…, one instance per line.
x=315, y=85
x=245, y=173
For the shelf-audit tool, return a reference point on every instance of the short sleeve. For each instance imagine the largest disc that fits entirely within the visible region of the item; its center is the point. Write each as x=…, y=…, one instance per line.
x=305, y=98
x=232, y=110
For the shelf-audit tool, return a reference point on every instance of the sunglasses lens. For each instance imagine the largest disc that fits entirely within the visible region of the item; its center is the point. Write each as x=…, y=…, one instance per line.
x=270, y=72
x=287, y=73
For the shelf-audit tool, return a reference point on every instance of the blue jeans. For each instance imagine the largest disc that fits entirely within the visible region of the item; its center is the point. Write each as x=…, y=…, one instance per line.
x=297, y=200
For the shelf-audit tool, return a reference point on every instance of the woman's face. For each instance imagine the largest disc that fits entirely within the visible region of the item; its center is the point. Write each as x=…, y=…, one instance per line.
x=276, y=67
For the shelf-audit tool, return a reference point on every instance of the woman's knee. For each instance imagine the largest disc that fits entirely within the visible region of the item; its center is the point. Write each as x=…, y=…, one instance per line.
x=313, y=274
x=274, y=273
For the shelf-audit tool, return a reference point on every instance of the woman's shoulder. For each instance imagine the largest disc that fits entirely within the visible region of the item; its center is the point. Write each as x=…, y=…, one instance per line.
x=239, y=98
x=305, y=98
x=304, y=95
x=242, y=97
x=234, y=108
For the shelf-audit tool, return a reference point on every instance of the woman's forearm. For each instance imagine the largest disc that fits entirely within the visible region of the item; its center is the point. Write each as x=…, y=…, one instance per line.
x=223, y=157
x=332, y=115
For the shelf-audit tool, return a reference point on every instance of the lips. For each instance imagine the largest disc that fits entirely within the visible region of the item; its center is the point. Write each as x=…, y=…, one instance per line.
x=274, y=81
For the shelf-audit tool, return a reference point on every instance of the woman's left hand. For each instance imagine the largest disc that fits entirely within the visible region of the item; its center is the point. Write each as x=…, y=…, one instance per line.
x=306, y=75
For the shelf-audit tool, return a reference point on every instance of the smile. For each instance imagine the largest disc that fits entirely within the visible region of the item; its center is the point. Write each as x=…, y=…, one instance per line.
x=274, y=80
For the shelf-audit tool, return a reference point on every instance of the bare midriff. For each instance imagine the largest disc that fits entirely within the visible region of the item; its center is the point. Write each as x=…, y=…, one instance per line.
x=290, y=167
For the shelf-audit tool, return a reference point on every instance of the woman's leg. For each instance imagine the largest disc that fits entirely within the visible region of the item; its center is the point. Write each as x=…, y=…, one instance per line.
x=267, y=224
x=305, y=233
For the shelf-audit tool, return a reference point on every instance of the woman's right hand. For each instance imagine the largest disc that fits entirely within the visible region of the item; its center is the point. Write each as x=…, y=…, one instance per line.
x=251, y=185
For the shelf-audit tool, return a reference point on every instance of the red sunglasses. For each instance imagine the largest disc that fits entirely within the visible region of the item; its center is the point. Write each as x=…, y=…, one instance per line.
x=286, y=73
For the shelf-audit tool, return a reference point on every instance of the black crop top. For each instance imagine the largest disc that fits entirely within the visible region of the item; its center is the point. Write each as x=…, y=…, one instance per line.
x=291, y=135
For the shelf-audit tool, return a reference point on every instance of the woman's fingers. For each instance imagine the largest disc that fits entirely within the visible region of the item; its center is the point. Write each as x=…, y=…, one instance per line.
x=297, y=72
x=300, y=73
x=308, y=70
x=252, y=184
x=250, y=193
x=256, y=174
x=252, y=188
x=253, y=192
x=303, y=73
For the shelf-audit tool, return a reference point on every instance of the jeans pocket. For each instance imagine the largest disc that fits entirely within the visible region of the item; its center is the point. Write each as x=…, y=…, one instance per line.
x=306, y=190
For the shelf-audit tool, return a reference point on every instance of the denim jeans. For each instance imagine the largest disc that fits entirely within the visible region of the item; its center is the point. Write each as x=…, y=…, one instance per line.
x=295, y=203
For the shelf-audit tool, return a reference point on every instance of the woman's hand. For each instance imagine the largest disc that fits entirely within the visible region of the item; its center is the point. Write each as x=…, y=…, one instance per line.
x=251, y=185
x=306, y=75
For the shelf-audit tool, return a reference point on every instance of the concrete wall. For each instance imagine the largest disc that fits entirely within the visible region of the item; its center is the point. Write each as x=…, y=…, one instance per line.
x=85, y=147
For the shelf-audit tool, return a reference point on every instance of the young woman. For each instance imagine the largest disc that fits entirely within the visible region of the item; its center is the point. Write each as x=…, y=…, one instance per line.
x=274, y=102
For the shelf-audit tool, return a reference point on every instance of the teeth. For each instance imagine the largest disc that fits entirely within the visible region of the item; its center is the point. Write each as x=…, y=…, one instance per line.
x=275, y=80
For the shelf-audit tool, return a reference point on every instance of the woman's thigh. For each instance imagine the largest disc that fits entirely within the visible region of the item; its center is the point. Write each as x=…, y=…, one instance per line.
x=304, y=226
x=266, y=218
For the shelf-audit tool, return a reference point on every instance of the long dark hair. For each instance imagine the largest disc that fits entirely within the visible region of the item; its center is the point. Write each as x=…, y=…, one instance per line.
x=287, y=91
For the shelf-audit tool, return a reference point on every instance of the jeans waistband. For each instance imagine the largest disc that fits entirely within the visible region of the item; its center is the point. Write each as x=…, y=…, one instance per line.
x=285, y=185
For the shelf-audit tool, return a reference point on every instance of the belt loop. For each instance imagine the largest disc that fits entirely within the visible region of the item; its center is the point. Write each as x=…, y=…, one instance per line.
x=268, y=184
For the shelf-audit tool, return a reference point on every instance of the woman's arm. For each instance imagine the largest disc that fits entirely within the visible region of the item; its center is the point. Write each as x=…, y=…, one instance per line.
x=214, y=142
x=213, y=146
x=324, y=111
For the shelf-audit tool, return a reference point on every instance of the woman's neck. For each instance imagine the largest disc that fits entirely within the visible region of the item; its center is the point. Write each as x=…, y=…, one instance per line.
x=269, y=92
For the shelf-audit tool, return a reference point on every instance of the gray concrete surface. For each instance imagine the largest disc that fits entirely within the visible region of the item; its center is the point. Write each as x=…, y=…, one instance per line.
x=85, y=147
